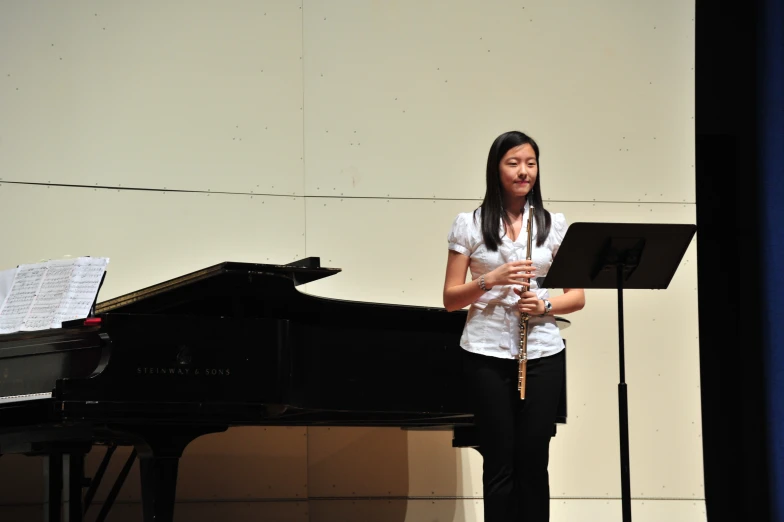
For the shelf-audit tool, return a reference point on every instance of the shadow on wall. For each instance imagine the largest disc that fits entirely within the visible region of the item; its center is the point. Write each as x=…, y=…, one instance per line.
x=293, y=474
x=381, y=474
x=21, y=480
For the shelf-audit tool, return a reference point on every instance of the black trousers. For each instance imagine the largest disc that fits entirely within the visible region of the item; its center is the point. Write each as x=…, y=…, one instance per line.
x=514, y=434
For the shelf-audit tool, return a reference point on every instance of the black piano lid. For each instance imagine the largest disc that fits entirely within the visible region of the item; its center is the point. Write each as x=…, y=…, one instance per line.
x=235, y=281
x=299, y=272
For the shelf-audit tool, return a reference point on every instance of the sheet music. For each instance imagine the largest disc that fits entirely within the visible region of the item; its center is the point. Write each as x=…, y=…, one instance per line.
x=27, y=280
x=44, y=295
x=50, y=295
x=81, y=292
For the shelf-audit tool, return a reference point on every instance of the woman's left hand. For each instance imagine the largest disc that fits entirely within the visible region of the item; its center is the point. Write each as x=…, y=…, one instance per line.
x=529, y=303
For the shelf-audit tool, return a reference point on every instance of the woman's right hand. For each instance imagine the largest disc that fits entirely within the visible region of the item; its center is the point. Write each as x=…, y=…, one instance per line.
x=512, y=273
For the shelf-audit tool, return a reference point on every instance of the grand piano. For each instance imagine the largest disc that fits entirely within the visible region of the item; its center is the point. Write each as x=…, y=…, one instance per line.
x=230, y=345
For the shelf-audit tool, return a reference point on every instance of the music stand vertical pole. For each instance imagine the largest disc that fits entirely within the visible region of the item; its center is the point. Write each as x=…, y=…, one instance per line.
x=623, y=407
x=645, y=256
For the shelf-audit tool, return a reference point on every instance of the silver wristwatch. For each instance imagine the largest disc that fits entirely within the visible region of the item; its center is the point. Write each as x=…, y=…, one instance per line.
x=548, y=306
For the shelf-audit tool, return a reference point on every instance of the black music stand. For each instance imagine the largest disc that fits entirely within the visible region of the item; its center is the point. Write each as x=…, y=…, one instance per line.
x=622, y=256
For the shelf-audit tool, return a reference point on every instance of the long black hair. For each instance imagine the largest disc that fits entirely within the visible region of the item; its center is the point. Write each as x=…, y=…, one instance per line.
x=493, y=205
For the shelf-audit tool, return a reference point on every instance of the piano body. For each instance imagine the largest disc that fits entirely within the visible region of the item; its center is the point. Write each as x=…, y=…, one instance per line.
x=230, y=345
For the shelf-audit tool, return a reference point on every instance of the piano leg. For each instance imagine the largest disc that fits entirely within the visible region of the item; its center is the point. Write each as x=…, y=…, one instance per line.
x=159, y=451
x=75, y=474
x=63, y=475
x=53, y=494
x=159, y=487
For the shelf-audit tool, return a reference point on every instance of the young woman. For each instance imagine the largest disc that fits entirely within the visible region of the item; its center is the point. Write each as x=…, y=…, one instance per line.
x=514, y=434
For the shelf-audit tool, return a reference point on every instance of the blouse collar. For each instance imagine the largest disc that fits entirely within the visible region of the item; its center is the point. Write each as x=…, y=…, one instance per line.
x=502, y=229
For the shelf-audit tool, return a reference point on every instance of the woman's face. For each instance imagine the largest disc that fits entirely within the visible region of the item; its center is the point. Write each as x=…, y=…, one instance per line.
x=518, y=171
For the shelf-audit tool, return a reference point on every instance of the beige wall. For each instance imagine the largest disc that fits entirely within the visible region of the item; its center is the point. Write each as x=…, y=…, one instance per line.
x=355, y=131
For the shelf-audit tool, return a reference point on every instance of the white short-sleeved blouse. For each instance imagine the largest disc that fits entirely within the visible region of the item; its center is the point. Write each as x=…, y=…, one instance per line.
x=493, y=324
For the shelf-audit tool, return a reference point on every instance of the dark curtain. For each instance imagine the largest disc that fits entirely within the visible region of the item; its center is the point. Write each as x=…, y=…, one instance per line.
x=739, y=124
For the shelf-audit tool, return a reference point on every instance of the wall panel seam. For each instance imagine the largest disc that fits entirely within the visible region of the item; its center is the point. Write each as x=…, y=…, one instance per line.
x=380, y=198
x=302, y=110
